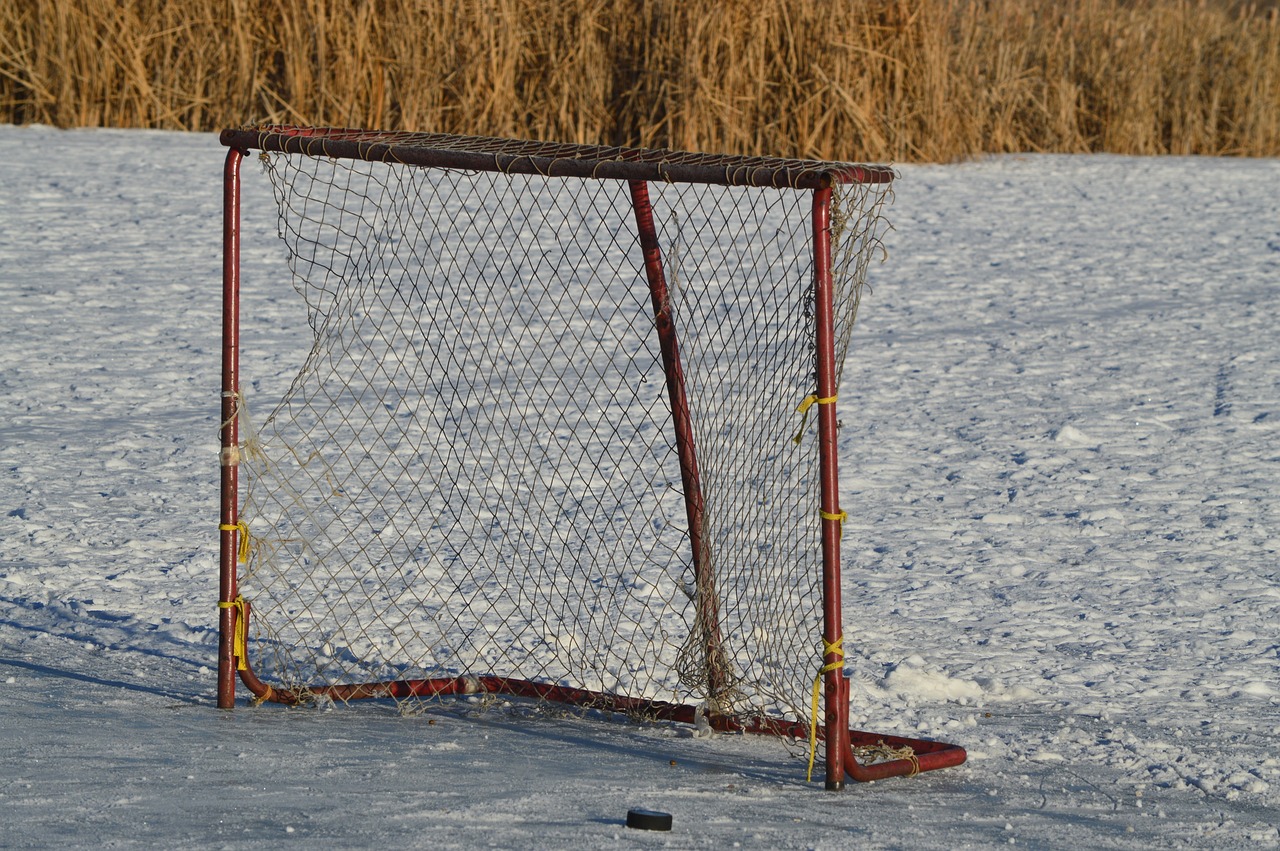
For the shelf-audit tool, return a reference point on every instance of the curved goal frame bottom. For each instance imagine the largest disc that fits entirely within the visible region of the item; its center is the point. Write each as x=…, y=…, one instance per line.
x=907, y=756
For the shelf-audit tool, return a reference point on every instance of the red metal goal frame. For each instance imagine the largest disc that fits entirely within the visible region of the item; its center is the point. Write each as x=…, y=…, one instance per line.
x=638, y=167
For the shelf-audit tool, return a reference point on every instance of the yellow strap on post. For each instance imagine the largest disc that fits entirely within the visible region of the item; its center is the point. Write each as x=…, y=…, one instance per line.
x=803, y=408
x=837, y=647
x=240, y=641
x=839, y=515
x=242, y=550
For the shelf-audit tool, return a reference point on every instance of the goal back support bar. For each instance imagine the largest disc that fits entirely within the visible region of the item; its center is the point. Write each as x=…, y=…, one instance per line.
x=638, y=168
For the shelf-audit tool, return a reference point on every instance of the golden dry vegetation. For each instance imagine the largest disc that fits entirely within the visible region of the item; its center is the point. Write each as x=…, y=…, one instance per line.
x=844, y=79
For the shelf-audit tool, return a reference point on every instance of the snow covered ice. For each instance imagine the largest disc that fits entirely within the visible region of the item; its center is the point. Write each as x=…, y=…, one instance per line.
x=1060, y=463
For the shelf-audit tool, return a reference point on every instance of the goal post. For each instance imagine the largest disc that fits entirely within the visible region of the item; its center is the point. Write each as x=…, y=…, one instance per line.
x=566, y=432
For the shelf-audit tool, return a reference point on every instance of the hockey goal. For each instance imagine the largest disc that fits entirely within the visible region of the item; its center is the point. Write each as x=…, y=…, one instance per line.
x=566, y=432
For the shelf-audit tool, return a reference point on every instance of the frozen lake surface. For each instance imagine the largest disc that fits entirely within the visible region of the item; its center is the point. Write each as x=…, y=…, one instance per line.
x=1061, y=467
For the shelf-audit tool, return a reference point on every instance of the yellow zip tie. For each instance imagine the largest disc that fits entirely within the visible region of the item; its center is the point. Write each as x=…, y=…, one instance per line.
x=239, y=644
x=242, y=550
x=838, y=649
x=803, y=408
x=839, y=515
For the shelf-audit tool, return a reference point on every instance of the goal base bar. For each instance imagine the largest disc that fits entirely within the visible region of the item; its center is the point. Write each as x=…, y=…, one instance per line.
x=926, y=755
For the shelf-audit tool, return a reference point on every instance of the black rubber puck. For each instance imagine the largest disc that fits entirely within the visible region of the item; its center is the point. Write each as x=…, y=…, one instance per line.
x=648, y=820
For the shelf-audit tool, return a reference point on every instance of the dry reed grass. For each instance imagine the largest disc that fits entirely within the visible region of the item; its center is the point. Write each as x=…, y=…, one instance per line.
x=869, y=79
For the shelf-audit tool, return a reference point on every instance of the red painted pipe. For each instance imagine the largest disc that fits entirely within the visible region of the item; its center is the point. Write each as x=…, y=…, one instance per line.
x=929, y=755
x=706, y=603
x=836, y=710
x=551, y=159
x=229, y=513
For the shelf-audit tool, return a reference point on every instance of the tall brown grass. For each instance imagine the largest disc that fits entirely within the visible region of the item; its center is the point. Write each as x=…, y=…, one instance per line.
x=874, y=79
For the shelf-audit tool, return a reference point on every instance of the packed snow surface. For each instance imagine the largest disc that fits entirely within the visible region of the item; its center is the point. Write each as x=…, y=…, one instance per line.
x=1060, y=462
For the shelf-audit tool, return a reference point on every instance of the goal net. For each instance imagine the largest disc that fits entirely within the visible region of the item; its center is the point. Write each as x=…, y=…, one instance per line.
x=558, y=431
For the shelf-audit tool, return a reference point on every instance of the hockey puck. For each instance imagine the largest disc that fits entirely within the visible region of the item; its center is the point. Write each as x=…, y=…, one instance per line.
x=648, y=820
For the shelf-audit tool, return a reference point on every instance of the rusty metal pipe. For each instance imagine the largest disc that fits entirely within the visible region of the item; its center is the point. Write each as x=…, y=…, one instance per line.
x=229, y=432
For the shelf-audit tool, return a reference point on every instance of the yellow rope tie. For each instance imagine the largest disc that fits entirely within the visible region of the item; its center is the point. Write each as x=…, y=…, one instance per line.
x=840, y=516
x=242, y=550
x=803, y=408
x=836, y=647
x=239, y=643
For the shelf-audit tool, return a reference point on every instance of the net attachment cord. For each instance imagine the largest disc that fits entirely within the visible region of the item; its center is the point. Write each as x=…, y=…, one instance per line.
x=240, y=639
x=835, y=648
x=803, y=408
x=865, y=753
x=241, y=607
x=242, y=548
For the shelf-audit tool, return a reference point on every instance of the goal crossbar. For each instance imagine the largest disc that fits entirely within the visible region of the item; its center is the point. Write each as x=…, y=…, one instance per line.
x=848, y=753
x=552, y=159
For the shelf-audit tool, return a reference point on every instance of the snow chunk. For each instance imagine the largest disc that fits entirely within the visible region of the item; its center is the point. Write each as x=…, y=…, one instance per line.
x=911, y=679
x=1069, y=435
x=1258, y=688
